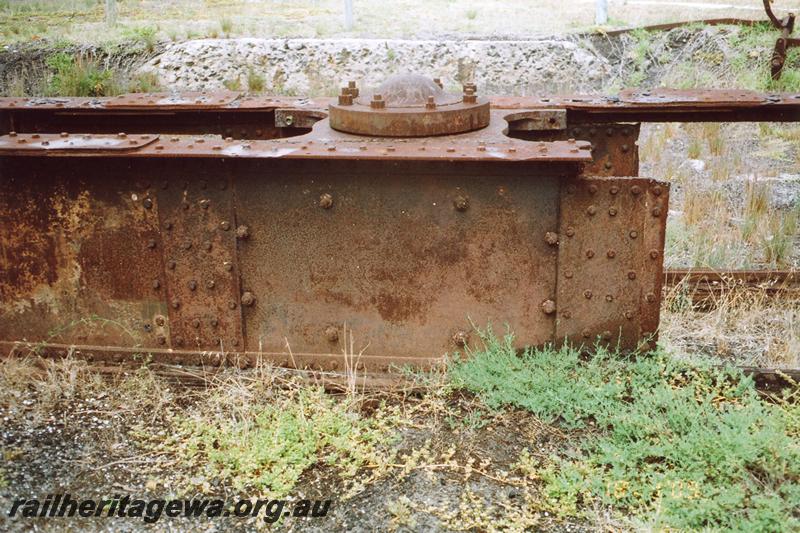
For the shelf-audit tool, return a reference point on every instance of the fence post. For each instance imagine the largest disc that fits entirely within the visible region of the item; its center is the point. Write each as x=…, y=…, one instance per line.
x=111, y=12
x=348, y=14
x=601, y=12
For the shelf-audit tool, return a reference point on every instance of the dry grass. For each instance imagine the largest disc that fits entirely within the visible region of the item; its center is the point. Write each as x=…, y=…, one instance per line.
x=744, y=327
x=80, y=20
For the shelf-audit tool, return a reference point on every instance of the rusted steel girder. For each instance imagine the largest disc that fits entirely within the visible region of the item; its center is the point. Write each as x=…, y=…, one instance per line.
x=266, y=233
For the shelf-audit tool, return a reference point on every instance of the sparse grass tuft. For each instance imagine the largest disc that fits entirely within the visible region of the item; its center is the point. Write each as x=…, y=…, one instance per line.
x=78, y=76
x=687, y=446
x=255, y=81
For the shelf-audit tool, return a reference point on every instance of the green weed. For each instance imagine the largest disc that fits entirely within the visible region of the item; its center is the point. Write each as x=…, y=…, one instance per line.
x=255, y=81
x=266, y=446
x=693, y=446
x=77, y=76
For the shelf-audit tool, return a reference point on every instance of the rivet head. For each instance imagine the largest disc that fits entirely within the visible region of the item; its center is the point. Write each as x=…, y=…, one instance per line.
x=231, y=305
x=179, y=341
x=248, y=299
x=656, y=211
x=607, y=165
x=653, y=254
x=205, y=203
x=176, y=303
x=657, y=190
x=210, y=284
x=147, y=203
x=567, y=314
x=606, y=335
x=207, y=246
x=225, y=225
x=228, y=266
x=460, y=338
x=631, y=275
x=611, y=254
x=629, y=315
x=609, y=297
x=625, y=148
x=214, y=322
x=156, y=284
x=461, y=203
x=591, y=210
x=614, y=189
x=650, y=297
x=551, y=238
x=151, y=243
x=171, y=264
x=589, y=253
x=159, y=320
x=633, y=234
x=568, y=274
x=187, y=245
x=332, y=334
x=242, y=232
x=570, y=231
x=192, y=285
x=168, y=225
x=612, y=211
x=586, y=334
x=326, y=201
x=549, y=307
x=161, y=339
x=592, y=189
x=587, y=294
x=196, y=323
x=636, y=190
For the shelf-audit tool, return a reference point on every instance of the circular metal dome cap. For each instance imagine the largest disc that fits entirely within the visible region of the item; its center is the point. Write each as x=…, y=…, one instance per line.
x=408, y=105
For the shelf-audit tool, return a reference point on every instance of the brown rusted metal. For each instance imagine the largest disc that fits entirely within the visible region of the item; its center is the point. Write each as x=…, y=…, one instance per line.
x=239, y=228
x=408, y=106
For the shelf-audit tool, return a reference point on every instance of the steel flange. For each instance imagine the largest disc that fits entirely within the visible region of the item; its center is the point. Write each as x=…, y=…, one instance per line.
x=408, y=106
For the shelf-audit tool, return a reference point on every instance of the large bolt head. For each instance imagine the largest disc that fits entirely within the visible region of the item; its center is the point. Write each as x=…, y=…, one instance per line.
x=248, y=299
x=548, y=307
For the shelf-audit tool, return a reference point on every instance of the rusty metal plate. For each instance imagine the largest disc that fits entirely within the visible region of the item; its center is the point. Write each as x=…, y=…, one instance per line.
x=184, y=100
x=605, y=271
x=407, y=256
x=322, y=144
x=673, y=97
x=75, y=266
x=198, y=234
x=64, y=142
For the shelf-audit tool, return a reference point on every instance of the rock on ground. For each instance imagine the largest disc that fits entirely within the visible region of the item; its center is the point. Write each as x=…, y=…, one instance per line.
x=314, y=66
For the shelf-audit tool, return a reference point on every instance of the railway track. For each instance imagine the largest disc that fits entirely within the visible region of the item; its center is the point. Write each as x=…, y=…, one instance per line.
x=707, y=287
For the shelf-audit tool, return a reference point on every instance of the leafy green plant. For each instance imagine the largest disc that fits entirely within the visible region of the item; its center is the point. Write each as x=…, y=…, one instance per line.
x=693, y=445
x=77, y=76
x=145, y=36
x=266, y=446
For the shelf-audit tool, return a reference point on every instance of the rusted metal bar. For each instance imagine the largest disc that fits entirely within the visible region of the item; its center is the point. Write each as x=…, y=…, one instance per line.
x=707, y=288
x=269, y=233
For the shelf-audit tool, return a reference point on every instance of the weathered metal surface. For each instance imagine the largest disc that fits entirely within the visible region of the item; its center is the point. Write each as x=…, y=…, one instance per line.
x=75, y=266
x=615, y=151
x=608, y=284
x=266, y=233
x=406, y=264
x=408, y=106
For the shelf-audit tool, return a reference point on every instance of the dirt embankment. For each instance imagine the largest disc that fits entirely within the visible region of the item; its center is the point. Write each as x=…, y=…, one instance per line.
x=589, y=64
